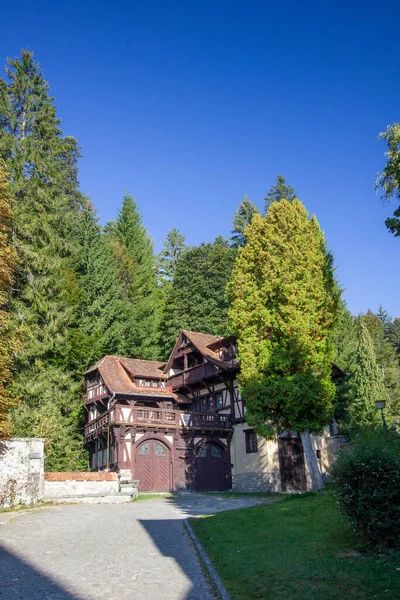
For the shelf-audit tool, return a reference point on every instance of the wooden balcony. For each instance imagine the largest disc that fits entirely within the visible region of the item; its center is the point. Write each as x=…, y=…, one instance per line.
x=159, y=417
x=192, y=375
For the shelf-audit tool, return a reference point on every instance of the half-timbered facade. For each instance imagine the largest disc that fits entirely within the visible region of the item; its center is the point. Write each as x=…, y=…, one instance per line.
x=181, y=424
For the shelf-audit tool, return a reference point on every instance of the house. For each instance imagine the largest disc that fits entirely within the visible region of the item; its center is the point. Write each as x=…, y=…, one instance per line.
x=181, y=424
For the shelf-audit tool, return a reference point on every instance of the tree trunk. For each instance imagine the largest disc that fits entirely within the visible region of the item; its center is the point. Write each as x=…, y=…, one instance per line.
x=316, y=477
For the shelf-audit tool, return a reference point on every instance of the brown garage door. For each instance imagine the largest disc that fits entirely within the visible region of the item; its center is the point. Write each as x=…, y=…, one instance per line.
x=153, y=466
x=213, y=468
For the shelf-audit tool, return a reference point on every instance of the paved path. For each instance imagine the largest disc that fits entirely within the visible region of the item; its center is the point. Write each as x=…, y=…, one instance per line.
x=138, y=551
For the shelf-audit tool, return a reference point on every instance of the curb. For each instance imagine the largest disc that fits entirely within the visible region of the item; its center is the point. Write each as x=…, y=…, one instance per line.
x=211, y=571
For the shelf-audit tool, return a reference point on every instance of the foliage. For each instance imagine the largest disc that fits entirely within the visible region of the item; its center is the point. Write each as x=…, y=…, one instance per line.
x=284, y=304
x=9, y=343
x=393, y=333
x=242, y=218
x=386, y=359
x=389, y=179
x=279, y=191
x=196, y=299
x=301, y=548
x=133, y=250
x=42, y=165
x=344, y=342
x=367, y=383
x=367, y=477
x=167, y=260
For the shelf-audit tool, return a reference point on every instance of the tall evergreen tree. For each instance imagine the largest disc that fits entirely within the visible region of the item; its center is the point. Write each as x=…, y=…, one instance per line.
x=393, y=333
x=367, y=382
x=345, y=343
x=102, y=310
x=386, y=358
x=279, y=191
x=9, y=343
x=133, y=250
x=196, y=300
x=384, y=317
x=284, y=304
x=242, y=217
x=43, y=178
x=173, y=246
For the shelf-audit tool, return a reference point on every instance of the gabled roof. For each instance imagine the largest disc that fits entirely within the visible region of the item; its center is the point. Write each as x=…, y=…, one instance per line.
x=203, y=342
x=114, y=373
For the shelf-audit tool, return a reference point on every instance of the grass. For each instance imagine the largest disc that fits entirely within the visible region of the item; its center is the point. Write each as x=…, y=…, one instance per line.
x=296, y=549
x=153, y=496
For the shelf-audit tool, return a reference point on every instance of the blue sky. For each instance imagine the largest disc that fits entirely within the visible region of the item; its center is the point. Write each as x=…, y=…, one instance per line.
x=190, y=105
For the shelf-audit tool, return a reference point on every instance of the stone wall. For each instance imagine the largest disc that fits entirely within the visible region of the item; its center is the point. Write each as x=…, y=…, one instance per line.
x=21, y=471
x=88, y=487
x=256, y=482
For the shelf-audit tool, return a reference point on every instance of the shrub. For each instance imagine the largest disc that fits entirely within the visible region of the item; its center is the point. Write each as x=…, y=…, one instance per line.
x=367, y=477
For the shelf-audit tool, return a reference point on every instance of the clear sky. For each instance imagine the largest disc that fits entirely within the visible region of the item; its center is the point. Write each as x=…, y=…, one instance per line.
x=189, y=105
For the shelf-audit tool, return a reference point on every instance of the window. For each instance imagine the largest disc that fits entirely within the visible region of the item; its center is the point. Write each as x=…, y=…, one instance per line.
x=159, y=450
x=251, y=441
x=202, y=451
x=216, y=451
x=144, y=448
x=218, y=400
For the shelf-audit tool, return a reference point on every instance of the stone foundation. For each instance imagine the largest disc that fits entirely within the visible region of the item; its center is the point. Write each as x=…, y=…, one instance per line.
x=21, y=471
x=91, y=487
x=256, y=482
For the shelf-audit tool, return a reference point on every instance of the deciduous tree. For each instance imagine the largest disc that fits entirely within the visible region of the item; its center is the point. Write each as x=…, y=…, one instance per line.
x=389, y=180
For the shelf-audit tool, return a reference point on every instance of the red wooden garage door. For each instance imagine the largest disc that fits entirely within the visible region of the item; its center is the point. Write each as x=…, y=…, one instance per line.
x=213, y=468
x=153, y=466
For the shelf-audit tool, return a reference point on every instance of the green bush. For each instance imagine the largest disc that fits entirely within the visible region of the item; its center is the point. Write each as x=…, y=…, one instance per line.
x=367, y=477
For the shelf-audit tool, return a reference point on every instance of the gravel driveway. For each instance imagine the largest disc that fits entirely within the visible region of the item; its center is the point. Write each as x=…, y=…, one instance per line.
x=139, y=551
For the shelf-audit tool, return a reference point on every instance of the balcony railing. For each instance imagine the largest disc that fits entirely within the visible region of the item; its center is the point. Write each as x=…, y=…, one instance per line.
x=192, y=375
x=153, y=416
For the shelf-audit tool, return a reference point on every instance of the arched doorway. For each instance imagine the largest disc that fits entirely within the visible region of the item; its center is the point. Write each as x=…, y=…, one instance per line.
x=153, y=466
x=213, y=468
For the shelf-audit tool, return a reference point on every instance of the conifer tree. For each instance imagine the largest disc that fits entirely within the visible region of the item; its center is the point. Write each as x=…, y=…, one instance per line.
x=279, y=191
x=133, y=250
x=9, y=343
x=389, y=179
x=393, y=333
x=173, y=246
x=367, y=382
x=284, y=304
x=243, y=217
x=386, y=358
x=196, y=299
x=345, y=343
x=42, y=164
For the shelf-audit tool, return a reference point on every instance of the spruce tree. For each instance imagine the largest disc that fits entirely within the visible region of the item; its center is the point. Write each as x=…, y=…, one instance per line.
x=133, y=250
x=9, y=343
x=173, y=246
x=279, y=191
x=242, y=217
x=393, y=333
x=345, y=343
x=284, y=304
x=196, y=299
x=389, y=180
x=42, y=164
x=367, y=382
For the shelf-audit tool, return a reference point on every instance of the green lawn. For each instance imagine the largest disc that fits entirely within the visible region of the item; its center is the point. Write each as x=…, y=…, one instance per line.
x=294, y=550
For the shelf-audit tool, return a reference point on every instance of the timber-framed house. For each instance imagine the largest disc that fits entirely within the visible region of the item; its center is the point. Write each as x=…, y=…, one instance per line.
x=181, y=424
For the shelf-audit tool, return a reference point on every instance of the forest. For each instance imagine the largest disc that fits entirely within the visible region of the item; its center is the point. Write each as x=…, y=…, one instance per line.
x=72, y=289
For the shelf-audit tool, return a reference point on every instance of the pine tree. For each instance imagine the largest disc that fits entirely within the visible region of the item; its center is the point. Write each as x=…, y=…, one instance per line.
x=279, y=191
x=284, y=303
x=133, y=250
x=367, y=383
x=196, y=299
x=384, y=317
x=9, y=343
x=393, y=333
x=173, y=246
x=242, y=218
x=42, y=164
x=386, y=358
